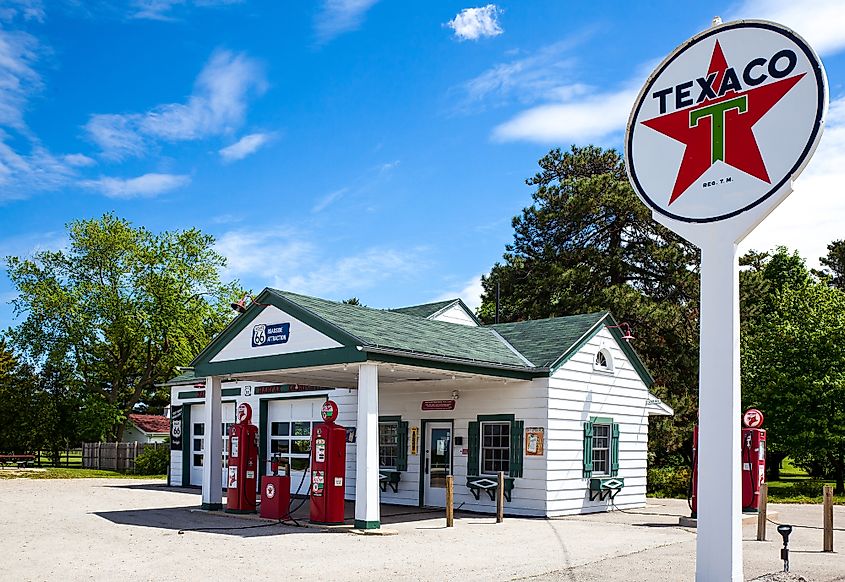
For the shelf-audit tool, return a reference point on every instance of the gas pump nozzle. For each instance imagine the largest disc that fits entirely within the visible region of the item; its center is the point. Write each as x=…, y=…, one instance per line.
x=784, y=531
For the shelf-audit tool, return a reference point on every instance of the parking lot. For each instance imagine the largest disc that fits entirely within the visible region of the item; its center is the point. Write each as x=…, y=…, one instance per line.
x=101, y=529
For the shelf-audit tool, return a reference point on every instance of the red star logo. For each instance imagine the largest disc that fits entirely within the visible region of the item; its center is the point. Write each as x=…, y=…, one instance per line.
x=731, y=139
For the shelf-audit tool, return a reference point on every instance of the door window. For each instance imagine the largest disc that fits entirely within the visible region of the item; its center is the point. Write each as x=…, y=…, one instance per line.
x=441, y=448
x=292, y=442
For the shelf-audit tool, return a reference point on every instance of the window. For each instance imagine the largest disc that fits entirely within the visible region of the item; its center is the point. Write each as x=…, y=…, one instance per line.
x=601, y=449
x=388, y=444
x=603, y=361
x=198, y=444
x=292, y=442
x=495, y=447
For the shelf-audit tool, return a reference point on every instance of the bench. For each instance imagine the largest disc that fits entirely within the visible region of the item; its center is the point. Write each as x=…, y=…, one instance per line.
x=22, y=461
x=602, y=488
x=389, y=479
x=488, y=484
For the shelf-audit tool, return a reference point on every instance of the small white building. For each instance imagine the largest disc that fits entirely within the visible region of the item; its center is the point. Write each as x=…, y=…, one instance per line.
x=146, y=428
x=560, y=405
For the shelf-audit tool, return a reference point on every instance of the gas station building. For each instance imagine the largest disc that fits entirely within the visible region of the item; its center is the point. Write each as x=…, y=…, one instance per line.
x=559, y=405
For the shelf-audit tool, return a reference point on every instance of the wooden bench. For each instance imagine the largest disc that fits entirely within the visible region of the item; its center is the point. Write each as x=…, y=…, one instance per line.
x=22, y=461
x=488, y=484
x=389, y=479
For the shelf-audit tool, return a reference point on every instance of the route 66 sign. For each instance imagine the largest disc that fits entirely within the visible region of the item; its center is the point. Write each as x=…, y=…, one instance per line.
x=725, y=121
x=265, y=334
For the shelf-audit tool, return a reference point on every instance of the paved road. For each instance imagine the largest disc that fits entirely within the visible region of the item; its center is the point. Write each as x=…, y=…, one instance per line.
x=101, y=529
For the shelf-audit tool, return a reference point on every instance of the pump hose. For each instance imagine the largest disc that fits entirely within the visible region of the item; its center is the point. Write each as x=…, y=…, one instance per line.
x=291, y=509
x=692, y=477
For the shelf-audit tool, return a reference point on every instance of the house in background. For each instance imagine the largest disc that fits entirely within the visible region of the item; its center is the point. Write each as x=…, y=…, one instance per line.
x=146, y=428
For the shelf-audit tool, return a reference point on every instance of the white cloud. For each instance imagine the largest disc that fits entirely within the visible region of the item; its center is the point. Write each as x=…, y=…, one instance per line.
x=217, y=106
x=146, y=186
x=18, y=79
x=470, y=293
x=26, y=9
x=79, y=160
x=339, y=16
x=328, y=199
x=161, y=9
x=811, y=217
x=246, y=146
x=818, y=21
x=595, y=118
x=474, y=23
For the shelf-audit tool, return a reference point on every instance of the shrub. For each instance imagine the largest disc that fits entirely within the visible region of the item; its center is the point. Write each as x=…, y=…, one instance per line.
x=808, y=488
x=669, y=482
x=154, y=460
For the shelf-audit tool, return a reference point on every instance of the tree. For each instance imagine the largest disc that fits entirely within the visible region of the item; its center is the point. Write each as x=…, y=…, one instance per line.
x=834, y=264
x=118, y=310
x=19, y=405
x=587, y=243
x=792, y=369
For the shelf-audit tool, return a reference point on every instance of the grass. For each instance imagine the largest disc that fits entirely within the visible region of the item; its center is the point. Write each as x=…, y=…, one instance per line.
x=795, y=486
x=71, y=473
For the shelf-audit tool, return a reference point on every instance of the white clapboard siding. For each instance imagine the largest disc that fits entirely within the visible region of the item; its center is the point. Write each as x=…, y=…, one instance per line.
x=577, y=392
x=176, y=468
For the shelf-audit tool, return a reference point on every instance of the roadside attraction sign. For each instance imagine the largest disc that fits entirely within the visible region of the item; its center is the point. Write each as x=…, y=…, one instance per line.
x=715, y=139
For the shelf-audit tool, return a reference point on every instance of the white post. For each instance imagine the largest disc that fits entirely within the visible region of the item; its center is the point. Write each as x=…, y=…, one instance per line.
x=367, y=511
x=212, y=463
x=719, y=542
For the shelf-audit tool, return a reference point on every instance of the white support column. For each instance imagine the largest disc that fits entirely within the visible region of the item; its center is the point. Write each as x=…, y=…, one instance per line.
x=719, y=543
x=367, y=511
x=212, y=465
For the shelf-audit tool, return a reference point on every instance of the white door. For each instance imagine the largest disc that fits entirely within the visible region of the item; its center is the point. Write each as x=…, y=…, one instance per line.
x=437, y=462
x=197, y=443
x=290, y=423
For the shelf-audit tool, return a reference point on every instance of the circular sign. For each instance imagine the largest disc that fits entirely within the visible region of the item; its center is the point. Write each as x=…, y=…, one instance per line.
x=725, y=121
x=244, y=413
x=752, y=418
x=270, y=491
x=329, y=411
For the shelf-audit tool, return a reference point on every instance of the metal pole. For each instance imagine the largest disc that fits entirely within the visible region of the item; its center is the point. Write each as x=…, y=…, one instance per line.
x=498, y=294
x=500, y=499
x=450, y=509
x=828, y=519
x=761, y=515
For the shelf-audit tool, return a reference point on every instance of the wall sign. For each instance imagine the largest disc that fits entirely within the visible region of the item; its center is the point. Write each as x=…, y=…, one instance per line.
x=438, y=405
x=534, y=441
x=415, y=437
x=285, y=388
x=268, y=334
x=175, y=428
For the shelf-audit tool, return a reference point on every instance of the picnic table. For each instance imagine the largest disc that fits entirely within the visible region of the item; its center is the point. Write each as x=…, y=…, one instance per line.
x=21, y=461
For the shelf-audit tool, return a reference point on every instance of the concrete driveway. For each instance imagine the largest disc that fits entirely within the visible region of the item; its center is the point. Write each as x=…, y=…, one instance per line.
x=100, y=529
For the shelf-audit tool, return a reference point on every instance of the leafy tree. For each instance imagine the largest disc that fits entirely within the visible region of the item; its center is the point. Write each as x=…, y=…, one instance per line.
x=792, y=370
x=117, y=311
x=19, y=404
x=352, y=301
x=587, y=243
x=834, y=264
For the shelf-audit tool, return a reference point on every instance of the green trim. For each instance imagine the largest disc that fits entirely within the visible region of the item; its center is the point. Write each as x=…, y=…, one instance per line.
x=587, y=457
x=481, y=368
x=326, y=357
x=211, y=506
x=614, y=449
x=495, y=417
x=187, y=442
x=230, y=392
x=189, y=394
x=267, y=297
x=262, y=437
x=601, y=420
x=601, y=483
x=362, y=524
x=389, y=418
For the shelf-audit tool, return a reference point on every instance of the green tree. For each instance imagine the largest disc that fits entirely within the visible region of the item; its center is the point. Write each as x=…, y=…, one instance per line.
x=834, y=264
x=118, y=310
x=792, y=369
x=587, y=243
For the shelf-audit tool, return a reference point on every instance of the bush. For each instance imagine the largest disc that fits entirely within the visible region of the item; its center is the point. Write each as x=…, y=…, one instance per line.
x=669, y=482
x=154, y=460
x=808, y=488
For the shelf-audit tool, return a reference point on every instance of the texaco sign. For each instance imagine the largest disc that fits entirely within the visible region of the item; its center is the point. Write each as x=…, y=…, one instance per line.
x=725, y=121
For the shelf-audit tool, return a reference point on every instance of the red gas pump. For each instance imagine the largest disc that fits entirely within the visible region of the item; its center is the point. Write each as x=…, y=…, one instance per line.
x=243, y=463
x=328, y=468
x=275, y=492
x=752, y=457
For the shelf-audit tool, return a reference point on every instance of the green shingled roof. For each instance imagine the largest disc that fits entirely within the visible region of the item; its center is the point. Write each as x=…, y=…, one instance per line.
x=544, y=341
x=426, y=309
x=408, y=333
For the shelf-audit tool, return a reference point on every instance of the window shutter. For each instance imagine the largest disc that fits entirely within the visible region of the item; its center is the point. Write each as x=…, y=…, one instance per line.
x=588, y=449
x=517, y=428
x=474, y=448
x=402, y=453
x=614, y=450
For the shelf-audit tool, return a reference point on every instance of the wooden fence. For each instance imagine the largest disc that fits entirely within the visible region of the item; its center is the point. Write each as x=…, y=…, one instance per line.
x=66, y=458
x=114, y=456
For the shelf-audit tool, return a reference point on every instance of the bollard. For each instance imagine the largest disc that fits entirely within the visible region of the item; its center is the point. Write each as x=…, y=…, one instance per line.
x=761, y=515
x=450, y=510
x=500, y=499
x=827, y=544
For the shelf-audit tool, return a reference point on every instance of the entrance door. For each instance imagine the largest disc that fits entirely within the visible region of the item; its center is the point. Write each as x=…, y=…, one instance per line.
x=438, y=462
x=197, y=442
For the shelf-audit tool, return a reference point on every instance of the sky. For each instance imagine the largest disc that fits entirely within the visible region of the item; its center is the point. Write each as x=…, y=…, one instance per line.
x=345, y=148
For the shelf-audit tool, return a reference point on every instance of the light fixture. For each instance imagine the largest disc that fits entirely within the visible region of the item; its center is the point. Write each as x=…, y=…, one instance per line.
x=455, y=394
x=625, y=328
x=241, y=306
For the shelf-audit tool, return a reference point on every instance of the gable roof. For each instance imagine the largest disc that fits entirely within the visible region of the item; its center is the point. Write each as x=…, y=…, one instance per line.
x=432, y=310
x=150, y=423
x=524, y=349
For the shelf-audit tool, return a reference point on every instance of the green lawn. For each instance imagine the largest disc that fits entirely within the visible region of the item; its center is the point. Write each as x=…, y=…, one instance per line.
x=795, y=486
x=65, y=473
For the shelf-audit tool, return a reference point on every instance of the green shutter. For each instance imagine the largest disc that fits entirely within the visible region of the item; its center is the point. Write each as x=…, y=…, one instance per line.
x=614, y=450
x=402, y=454
x=588, y=449
x=517, y=428
x=474, y=439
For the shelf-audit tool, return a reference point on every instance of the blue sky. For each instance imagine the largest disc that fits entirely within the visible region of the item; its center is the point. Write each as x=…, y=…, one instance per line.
x=345, y=147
